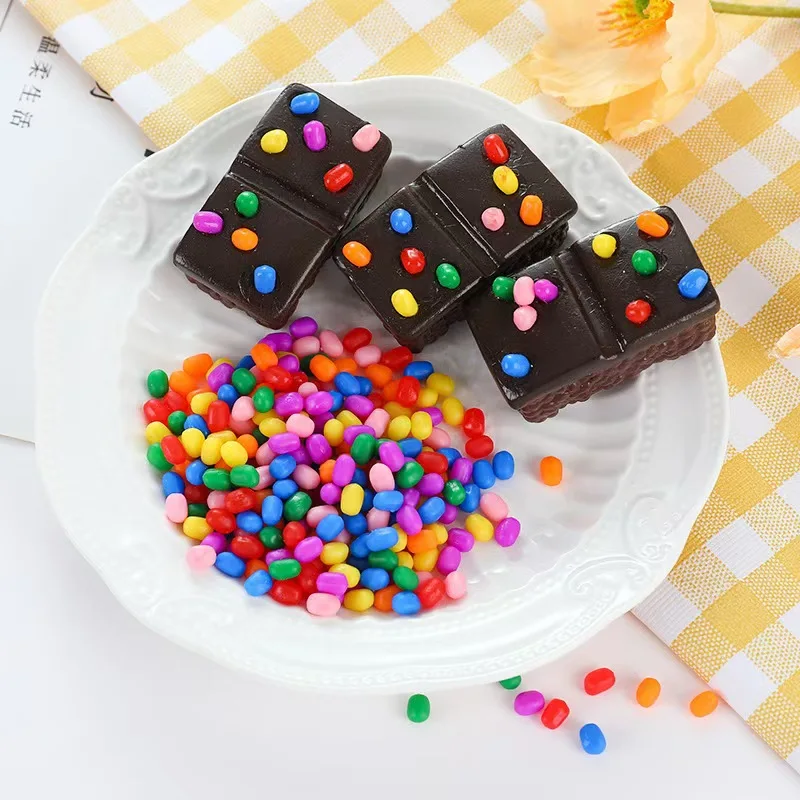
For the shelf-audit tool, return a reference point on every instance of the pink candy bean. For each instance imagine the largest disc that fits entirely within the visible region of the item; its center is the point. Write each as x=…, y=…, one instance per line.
x=438, y=439
x=265, y=478
x=321, y=604
x=366, y=355
x=493, y=507
x=176, y=508
x=381, y=478
x=300, y=424
x=306, y=477
x=216, y=499
x=331, y=344
x=200, y=557
x=307, y=388
x=243, y=409
x=378, y=420
x=264, y=455
x=455, y=585
x=318, y=513
x=377, y=519
x=523, y=291
x=305, y=346
x=241, y=426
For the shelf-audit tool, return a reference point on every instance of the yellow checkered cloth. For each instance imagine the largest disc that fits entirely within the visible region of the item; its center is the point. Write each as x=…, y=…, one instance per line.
x=729, y=165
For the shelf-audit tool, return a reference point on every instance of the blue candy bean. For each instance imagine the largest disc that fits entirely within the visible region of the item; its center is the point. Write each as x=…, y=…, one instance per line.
x=482, y=474
x=691, y=285
x=347, y=384
x=249, y=522
x=172, y=483
x=356, y=525
x=272, y=510
x=431, y=510
x=401, y=221
x=282, y=466
x=330, y=527
x=419, y=370
x=410, y=447
x=592, y=739
x=374, y=578
x=194, y=472
x=259, y=583
x=228, y=394
x=305, y=103
x=230, y=564
x=388, y=500
x=284, y=489
x=406, y=603
x=515, y=365
x=502, y=465
x=196, y=421
x=472, y=499
x=265, y=279
x=381, y=539
x=359, y=547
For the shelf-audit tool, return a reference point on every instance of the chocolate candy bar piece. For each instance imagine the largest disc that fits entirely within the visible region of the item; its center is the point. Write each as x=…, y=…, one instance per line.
x=486, y=208
x=270, y=224
x=595, y=314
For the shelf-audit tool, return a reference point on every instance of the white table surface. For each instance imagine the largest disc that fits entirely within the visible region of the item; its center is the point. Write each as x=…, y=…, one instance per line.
x=94, y=705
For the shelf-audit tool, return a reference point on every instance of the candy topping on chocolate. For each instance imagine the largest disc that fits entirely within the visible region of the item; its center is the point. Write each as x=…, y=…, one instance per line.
x=691, y=285
x=638, y=312
x=314, y=136
x=644, y=262
x=493, y=218
x=305, y=103
x=274, y=141
x=265, y=278
x=404, y=303
x=413, y=260
x=247, y=204
x=505, y=179
x=495, y=149
x=338, y=177
x=604, y=245
x=503, y=288
x=448, y=276
x=525, y=317
x=530, y=210
x=207, y=222
x=401, y=221
x=366, y=137
x=515, y=365
x=244, y=239
x=545, y=290
x=653, y=224
x=523, y=291
x=357, y=254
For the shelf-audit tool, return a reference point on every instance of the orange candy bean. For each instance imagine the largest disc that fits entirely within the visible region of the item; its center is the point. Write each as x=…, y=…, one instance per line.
x=379, y=374
x=346, y=365
x=198, y=365
x=264, y=356
x=323, y=368
x=704, y=704
x=647, y=692
x=551, y=470
x=383, y=598
x=530, y=210
x=326, y=470
x=423, y=541
x=182, y=382
x=254, y=565
x=244, y=239
x=357, y=254
x=390, y=391
x=652, y=224
x=250, y=444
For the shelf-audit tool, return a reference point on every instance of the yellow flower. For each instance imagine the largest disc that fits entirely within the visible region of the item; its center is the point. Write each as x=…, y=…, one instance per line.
x=645, y=58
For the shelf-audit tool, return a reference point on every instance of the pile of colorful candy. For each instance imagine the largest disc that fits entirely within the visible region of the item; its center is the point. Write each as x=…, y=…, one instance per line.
x=324, y=478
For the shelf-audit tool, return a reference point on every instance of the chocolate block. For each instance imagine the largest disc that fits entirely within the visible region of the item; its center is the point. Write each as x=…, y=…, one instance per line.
x=298, y=217
x=446, y=204
x=609, y=321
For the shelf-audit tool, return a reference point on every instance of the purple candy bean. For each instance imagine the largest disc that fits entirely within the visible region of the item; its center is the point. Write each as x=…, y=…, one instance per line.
x=207, y=222
x=318, y=403
x=355, y=430
x=301, y=456
x=391, y=455
x=545, y=290
x=315, y=138
x=435, y=414
x=308, y=549
x=507, y=532
x=343, y=470
x=332, y=583
x=527, y=704
x=290, y=362
x=279, y=342
x=450, y=514
x=217, y=541
x=281, y=443
x=462, y=540
x=330, y=493
x=449, y=559
x=361, y=406
x=219, y=375
x=277, y=555
x=409, y=520
x=411, y=497
x=431, y=484
x=303, y=326
x=461, y=470
x=318, y=448
x=288, y=404
x=320, y=420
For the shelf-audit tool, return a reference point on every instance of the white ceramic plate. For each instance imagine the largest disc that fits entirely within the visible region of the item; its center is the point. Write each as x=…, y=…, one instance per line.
x=640, y=462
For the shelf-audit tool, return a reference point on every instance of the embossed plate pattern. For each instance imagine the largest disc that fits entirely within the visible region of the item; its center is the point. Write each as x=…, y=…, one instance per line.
x=640, y=462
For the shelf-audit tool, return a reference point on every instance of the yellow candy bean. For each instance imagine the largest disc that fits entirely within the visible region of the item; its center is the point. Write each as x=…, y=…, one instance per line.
x=201, y=402
x=604, y=245
x=155, y=432
x=394, y=409
x=505, y=180
x=348, y=418
x=405, y=304
x=427, y=397
x=334, y=553
x=233, y=454
x=352, y=499
x=274, y=141
x=480, y=527
x=453, y=411
x=269, y=427
x=405, y=560
x=399, y=428
x=350, y=572
x=223, y=436
x=210, y=452
x=440, y=531
x=402, y=540
x=333, y=432
x=426, y=561
x=260, y=416
x=441, y=383
x=192, y=440
x=358, y=600
x=421, y=425
x=196, y=528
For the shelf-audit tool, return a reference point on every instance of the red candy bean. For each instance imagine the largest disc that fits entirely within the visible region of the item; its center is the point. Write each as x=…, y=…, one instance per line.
x=278, y=378
x=307, y=579
x=377, y=400
x=240, y=500
x=599, y=680
x=195, y=494
x=293, y=534
x=336, y=178
x=355, y=338
x=173, y=449
x=554, y=714
x=432, y=462
x=219, y=416
x=287, y=593
x=247, y=546
x=156, y=411
x=407, y=391
x=298, y=379
x=474, y=423
x=413, y=260
x=479, y=447
x=431, y=592
x=176, y=401
x=495, y=149
x=221, y=520
x=397, y=358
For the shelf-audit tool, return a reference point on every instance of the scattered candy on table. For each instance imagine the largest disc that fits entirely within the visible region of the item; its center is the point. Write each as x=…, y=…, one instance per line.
x=599, y=680
x=555, y=713
x=511, y=683
x=418, y=708
x=593, y=741
x=316, y=470
x=551, y=471
x=647, y=692
x=704, y=704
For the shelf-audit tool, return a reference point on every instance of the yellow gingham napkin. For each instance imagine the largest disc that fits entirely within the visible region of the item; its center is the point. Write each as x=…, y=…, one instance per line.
x=729, y=165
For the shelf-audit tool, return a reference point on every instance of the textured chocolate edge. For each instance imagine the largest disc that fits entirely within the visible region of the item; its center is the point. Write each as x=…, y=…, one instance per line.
x=625, y=369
